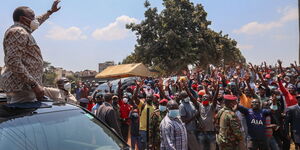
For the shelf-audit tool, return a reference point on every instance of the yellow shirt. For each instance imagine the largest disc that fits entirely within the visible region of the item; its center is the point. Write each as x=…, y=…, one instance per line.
x=143, y=118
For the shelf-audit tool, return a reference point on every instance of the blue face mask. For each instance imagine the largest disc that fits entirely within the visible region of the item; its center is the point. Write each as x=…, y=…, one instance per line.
x=173, y=113
x=162, y=108
x=274, y=107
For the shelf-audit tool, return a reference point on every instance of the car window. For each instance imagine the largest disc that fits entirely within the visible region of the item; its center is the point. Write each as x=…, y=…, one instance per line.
x=64, y=130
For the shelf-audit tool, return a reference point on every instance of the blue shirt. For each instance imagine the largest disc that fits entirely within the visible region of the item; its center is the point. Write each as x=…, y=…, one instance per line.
x=255, y=122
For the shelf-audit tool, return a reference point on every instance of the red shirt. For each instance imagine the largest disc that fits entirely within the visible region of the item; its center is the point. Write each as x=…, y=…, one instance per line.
x=289, y=98
x=90, y=106
x=124, y=109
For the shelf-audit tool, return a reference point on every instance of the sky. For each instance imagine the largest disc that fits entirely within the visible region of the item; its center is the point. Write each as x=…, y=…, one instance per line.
x=86, y=32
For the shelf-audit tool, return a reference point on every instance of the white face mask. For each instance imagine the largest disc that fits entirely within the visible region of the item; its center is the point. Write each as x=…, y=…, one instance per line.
x=125, y=100
x=34, y=24
x=67, y=86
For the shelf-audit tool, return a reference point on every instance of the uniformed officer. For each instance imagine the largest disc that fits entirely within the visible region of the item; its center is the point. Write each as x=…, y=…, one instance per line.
x=228, y=125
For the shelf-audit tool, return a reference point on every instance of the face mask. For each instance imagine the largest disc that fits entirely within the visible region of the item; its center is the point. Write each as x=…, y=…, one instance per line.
x=234, y=108
x=34, y=24
x=221, y=91
x=125, y=100
x=205, y=103
x=67, y=86
x=278, y=97
x=162, y=108
x=274, y=107
x=187, y=100
x=135, y=114
x=173, y=113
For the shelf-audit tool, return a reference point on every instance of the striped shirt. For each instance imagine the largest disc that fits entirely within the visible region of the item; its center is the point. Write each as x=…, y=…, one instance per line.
x=173, y=134
x=269, y=130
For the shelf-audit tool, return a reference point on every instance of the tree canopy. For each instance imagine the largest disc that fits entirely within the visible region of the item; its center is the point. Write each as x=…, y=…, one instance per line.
x=178, y=36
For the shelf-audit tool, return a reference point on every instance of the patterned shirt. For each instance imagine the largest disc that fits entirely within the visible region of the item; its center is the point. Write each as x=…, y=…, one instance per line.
x=23, y=58
x=173, y=134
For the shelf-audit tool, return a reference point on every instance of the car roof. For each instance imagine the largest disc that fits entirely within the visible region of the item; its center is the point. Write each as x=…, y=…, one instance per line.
x=56, y=107
x=39, y=107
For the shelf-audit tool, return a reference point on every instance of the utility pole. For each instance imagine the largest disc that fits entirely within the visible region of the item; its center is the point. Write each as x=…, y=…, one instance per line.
x=299, y=30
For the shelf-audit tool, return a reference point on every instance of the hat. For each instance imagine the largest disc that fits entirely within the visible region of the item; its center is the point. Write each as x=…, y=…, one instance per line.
x=194, y=86
x=99, y=95
x=163, y=101
x=202, y=92
x=291, y=86
x=62, y=80
x=84, y=100
x=268, y=76
x=230, y=97
x=156, y=95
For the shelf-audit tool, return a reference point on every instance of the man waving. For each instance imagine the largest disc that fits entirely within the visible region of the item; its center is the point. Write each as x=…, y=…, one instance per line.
x=22, y=76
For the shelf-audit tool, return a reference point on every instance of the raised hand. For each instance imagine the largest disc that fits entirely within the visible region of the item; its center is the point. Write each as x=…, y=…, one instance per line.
x=54, y=7
x=279, y=62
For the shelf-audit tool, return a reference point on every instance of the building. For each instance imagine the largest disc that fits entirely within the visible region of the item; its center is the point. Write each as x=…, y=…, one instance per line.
x=104, y=65
x=60, y=72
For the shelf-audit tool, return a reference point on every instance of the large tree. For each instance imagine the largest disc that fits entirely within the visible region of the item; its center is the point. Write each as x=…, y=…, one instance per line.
x=179, y=36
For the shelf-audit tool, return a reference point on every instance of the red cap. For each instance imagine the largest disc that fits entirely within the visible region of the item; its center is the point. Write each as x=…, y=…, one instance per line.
x=156, y=95
x=268, y=76
x=230, y=97
x=194, y=85
x=202, y=92
x=163, y=101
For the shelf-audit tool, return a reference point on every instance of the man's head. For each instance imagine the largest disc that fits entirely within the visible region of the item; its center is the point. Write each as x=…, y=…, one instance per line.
x=63, y=83
x=177, y=97
x=163, y=105
x=149, y=99
x=25, y=15
x=205, y=100
x=183, y=95
x=173, y=109
x=99, y=98
x=230, y=101
x=255, y=104
x=248, y=92
x=108, y=98
x=262, y=90
x=292, y=89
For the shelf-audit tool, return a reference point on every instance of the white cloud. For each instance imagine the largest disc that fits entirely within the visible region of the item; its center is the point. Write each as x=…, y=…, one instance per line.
x=115, y=30
x=288, y=14
x=244, y=47
x=60, y=33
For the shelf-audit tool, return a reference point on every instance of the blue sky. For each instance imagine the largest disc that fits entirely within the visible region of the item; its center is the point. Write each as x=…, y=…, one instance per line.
x=86, y=32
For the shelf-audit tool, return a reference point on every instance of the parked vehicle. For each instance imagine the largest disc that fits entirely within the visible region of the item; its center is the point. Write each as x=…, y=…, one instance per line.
x=50, y=126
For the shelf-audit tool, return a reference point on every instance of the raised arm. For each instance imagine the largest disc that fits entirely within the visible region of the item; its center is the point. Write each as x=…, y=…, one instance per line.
x=137, y=89
x=193, y=99
x=53, y=9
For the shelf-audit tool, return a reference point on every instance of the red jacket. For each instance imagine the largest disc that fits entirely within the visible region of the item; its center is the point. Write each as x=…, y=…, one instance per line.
x=289, y=98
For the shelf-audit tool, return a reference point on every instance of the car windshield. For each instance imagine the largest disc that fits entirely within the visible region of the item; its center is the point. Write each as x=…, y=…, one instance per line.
x=63, y=130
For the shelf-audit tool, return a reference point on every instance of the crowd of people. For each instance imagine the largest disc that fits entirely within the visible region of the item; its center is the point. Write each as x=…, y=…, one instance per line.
x=231, y=108
x=242, y=107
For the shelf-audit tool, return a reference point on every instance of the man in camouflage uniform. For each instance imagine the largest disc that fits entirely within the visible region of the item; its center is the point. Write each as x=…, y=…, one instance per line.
x=228, y=124
x=156, y=119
